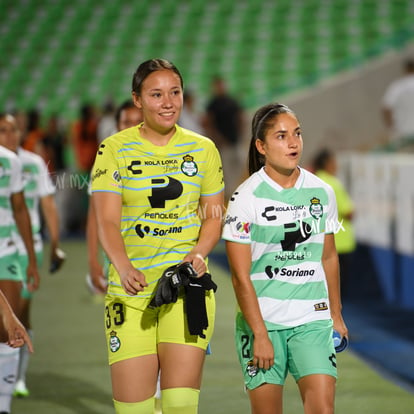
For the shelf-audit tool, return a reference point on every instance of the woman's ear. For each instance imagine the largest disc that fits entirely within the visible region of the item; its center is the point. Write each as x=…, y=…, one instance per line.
x=259, y=146
x=137, y=100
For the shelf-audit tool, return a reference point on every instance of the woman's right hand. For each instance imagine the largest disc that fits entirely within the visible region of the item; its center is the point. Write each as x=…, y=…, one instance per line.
x=263, y=352
x=133, y=281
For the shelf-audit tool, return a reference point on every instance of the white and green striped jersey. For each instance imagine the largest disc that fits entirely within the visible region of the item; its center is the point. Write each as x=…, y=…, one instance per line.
x=10, y=183
x=285, y=229
x=37, y=184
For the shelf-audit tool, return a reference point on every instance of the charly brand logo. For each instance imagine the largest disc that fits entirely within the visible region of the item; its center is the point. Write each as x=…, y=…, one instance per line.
x=133, y=167
x=234, y=195
x=269, y=211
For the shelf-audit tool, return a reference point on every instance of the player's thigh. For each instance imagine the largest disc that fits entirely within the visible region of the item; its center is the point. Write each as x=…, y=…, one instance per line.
x=181, y=353
x=134, y=379
x=173, y=326
x=130, y=328
x=318, y=393
x=181, y=365
x=266, y=399
x=253, y=376
x=311, y=350
x=10, y=268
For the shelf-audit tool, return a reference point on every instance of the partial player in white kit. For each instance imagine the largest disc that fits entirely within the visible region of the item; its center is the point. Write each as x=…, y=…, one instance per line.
x=39, y=194
x=12, y=210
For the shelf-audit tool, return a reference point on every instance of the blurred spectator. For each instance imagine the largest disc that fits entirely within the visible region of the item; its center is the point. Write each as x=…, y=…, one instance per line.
x=189, y=118
x=106, y=124
x=54, y=142
x=398, y=104
x=21, y=120
x=85, y=140
x=223, y=123
x=325, y=167
x=34, y=135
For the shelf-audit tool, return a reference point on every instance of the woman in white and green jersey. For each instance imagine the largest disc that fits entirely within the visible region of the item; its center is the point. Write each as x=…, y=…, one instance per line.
x=279, y=231
x=13, y=211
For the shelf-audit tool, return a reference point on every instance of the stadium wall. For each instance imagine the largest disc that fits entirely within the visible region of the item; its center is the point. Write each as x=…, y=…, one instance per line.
x=344, y=112
x=381, y=186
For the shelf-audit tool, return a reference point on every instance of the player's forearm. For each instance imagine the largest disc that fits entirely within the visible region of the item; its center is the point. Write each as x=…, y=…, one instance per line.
x=5, y=307
x=51, y=217
x=23, y=223
x=331, y=267
x=113, y=244
x=239, y=256
x=248, y=303
x=209, y=236
x=92, y=238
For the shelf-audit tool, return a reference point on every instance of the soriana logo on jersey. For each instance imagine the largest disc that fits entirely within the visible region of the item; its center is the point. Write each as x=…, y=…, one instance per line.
x=188, y=166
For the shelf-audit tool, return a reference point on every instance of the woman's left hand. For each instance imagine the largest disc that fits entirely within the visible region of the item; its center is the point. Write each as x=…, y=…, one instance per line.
x=198, y=263
x=339, y=325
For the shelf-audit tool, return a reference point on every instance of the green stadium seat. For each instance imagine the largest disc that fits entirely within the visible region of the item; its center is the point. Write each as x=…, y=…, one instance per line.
x=88, y=49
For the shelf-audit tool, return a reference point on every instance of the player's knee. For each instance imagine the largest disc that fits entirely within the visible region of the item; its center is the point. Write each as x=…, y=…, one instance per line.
x=142, y=407
x=180, y=401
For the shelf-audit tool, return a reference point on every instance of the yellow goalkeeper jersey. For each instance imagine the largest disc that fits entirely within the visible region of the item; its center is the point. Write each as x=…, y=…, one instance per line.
x=160, y=188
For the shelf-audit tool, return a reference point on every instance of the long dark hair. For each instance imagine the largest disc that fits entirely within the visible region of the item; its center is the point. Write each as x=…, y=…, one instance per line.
x=261, y=122
x=149, y=66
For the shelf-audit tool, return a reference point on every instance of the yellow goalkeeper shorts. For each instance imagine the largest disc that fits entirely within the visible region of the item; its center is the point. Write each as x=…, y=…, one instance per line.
x=132, y=329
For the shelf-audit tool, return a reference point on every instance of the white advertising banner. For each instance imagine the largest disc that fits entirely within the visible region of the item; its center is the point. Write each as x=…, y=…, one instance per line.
x=382, y=189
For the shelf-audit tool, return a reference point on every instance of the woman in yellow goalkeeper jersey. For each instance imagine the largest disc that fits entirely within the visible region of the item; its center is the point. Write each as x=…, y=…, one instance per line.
x=158, y=192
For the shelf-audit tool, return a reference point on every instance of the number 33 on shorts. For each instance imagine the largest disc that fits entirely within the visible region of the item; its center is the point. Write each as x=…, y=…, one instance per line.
x=114, y=315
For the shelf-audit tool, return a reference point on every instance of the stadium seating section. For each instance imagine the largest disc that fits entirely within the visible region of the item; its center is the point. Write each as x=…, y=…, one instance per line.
x=57, y=54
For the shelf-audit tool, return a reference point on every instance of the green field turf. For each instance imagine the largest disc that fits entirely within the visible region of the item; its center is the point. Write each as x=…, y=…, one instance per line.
x=68, y=372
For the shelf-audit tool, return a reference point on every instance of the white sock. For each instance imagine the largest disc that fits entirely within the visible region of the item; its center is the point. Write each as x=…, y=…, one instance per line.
x=9, y=360
x=24, y=356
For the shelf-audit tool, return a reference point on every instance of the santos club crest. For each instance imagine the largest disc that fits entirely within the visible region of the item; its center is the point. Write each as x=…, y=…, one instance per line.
x=316, y=208
x=189, y=167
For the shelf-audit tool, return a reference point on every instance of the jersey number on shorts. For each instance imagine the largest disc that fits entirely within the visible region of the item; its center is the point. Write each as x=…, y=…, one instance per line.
x=245, y=339
x=115, y=314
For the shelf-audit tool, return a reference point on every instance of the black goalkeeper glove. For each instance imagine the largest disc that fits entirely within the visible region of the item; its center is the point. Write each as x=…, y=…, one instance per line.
x=195, y=303
x=170, y=282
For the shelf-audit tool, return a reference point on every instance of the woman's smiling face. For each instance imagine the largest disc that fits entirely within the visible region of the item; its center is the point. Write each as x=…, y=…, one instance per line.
x=161, y=100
